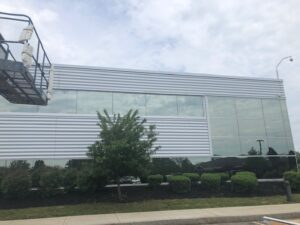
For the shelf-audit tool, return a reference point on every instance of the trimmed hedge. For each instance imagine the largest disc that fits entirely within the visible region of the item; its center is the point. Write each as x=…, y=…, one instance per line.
x=244, y=182
x=294, y=178
x=245, y=173
x=224, y=177
x=194, y=177
x=155, y=180
x=180, y=184
x=211, y=182
x=16, y=184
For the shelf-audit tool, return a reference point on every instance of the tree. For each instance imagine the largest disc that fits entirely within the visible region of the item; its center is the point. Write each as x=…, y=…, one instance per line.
x=124, y=147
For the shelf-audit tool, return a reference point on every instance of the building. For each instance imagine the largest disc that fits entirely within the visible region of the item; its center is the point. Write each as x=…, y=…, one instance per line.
x=198, y=116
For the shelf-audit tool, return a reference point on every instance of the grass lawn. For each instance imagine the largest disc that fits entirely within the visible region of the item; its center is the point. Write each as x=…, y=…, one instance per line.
x=150, y=205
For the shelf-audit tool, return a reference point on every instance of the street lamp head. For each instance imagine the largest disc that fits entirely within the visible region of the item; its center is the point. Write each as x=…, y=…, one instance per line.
x=290, y=58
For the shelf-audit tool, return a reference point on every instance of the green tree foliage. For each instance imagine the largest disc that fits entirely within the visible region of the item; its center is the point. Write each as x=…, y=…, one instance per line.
x=124, y=147
x=39, y=164
x=16, y=184
x=187, y=166
x=294, y=178
x=91, y=177
x=19, y=165
x=50, y=181
x=165, y=166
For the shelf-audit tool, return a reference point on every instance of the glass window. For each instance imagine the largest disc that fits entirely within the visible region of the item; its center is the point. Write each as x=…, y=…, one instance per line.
x=249, y=108
x=190, y=106
x=226, y=147
x=122, y=103
x=286, y=120
x=290, y=144
x=253, y=127
x=280, y=145
x=272, y=109
x=91, y=102
x=221, y=107
x=62, y=102
x=6, y=106
x=275, y=128
x=252, y=143
x=161, y=105
x=223, y=127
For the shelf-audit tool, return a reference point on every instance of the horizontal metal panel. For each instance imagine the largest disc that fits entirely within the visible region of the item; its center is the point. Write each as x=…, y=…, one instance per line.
x=53, y=136
x=138, y=81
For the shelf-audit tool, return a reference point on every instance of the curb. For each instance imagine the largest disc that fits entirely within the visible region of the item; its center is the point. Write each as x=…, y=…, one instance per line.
x=216, y=220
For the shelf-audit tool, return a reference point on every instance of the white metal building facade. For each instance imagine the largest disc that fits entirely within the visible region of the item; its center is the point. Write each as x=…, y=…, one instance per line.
x=197, y=115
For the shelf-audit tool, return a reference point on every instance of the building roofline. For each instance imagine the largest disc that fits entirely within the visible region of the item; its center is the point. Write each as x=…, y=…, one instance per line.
x=141, y=71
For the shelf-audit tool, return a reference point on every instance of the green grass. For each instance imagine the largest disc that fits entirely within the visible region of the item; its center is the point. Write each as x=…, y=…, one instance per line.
x=151, y=205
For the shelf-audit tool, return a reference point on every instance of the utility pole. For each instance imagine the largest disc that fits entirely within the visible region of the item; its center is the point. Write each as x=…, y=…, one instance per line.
x=260, y=148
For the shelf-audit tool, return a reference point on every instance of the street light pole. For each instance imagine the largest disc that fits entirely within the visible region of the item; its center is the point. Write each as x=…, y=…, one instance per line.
x=260, y=148
x=284, y=58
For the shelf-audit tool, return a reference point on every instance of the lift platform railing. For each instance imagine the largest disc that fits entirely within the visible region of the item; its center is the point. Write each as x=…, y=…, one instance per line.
x=41, y=60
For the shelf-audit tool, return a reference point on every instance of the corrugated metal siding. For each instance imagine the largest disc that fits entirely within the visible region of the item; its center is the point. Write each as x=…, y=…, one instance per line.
x=136, y=81
x=54, y=136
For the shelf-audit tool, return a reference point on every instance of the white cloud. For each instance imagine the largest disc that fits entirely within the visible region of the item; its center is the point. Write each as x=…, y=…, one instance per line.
x=245, y=38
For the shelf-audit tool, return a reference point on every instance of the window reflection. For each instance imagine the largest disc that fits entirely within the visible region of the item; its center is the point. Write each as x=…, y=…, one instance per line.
x=257, y=119
x=249, y=108
x=272, y=109
x=6, y=106
x=91, y=102
x=223, y=126
x=280, y=145
x=62, y=102
x=251, y=144
x=252, y=127
x=221, y=106
x=190, y=106
x=161, y=105
x=226, y=146
x=122, y=103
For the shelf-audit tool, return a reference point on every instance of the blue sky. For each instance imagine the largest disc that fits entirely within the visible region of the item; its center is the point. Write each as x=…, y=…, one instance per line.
x=230, y=37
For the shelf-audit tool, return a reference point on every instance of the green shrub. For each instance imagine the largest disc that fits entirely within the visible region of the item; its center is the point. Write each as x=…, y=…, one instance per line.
x=155, y=180
x=194, y=177
x=211, y=182
x=294, y=178
x=180, y=184
x=224, y=177
x=244, y=182
x=16, y=184
x=245, y=173
x=35, y=177
x=3, y=172
x=70, y=179
x=50, y=181
x=90, y=179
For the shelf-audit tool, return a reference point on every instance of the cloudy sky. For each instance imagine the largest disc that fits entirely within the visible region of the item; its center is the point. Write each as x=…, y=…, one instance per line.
x=230, y=37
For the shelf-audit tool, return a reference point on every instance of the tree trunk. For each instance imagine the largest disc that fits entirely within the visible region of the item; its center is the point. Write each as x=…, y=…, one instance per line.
x=119, y=189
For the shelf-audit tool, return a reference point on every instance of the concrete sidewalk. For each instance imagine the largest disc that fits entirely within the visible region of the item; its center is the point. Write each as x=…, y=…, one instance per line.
x=188, y=216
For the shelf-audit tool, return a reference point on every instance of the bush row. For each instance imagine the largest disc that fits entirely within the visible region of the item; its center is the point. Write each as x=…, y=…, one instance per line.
x=18, y=180
x=182, y=183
